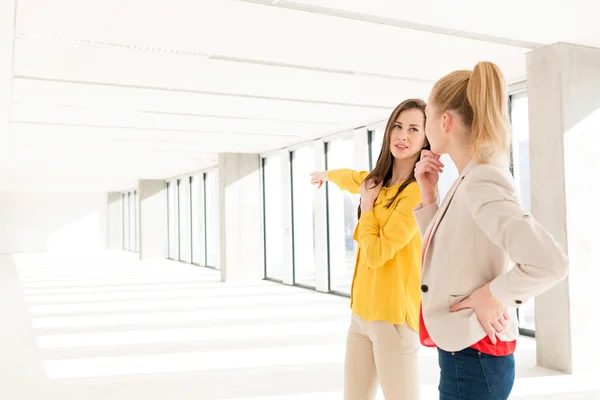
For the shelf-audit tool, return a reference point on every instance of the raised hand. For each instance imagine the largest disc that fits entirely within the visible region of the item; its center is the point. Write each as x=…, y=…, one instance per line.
x=427, y=171
x=318, y=178
x=427, y=174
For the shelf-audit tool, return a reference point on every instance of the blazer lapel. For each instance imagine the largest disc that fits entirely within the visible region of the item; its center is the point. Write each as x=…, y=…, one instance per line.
x=444, y=207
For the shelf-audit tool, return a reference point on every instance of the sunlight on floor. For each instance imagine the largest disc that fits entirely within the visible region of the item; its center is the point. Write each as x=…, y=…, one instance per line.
x=115, y=328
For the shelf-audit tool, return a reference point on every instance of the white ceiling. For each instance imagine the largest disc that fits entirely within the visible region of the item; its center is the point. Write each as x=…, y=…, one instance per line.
x=106, y=93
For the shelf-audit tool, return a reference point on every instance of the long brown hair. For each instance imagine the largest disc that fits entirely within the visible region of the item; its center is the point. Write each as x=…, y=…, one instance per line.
x=385, y=162
x=480, y=98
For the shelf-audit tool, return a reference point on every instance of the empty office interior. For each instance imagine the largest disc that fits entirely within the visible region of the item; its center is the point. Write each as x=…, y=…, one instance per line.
x=159, y=234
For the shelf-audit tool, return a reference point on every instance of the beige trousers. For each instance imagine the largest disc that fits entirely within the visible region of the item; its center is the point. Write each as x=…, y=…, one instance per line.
x=381, y=351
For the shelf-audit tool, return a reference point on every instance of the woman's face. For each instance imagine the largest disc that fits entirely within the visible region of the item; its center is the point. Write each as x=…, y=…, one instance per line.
x=407, y=137
x=434, y=129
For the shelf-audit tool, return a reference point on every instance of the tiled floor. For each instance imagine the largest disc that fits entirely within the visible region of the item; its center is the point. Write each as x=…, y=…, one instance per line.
x=108, y=327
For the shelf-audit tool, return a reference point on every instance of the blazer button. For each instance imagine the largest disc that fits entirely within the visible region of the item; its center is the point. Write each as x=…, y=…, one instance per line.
x=424, y=288
x=519, y=302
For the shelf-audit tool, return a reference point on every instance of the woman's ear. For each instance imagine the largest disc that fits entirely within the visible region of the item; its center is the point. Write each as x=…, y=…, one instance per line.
x=447, y=122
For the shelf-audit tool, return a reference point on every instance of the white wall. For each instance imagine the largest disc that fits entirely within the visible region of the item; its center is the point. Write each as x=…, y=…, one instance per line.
x=52, y=221
x=114, y=237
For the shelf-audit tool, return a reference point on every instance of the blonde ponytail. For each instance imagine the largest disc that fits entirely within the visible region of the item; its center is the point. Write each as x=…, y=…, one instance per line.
x=490, y=129
x=481, y=100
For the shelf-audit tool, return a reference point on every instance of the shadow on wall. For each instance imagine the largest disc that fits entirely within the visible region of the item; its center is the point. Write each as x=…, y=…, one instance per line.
x=53, y=222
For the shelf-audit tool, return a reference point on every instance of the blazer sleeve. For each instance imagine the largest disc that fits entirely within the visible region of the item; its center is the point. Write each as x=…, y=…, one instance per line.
x=347, y=179
x=424, y=216
x=380, y=243
x=540, y=263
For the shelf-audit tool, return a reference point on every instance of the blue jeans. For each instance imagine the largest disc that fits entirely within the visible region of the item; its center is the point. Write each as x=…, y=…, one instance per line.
x=471, y=375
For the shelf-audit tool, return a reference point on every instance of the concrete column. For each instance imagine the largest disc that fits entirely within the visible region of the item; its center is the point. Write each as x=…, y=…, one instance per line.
x=320, y=211
x=287, y=254
x=152, y=219
x=564, y=120
x=240, y=217
x=114, y=221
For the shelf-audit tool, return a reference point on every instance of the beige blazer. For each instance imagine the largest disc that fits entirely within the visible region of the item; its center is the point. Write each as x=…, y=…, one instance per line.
x=475, y=236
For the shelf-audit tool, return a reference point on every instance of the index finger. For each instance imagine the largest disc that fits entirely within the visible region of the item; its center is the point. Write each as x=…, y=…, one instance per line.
x=429, y=153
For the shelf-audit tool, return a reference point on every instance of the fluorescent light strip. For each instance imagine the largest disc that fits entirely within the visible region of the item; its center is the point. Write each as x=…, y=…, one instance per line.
x=395, y=22
x=85, y=42
x=216, y=57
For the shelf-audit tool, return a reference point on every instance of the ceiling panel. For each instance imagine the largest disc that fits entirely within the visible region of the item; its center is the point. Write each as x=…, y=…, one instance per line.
x=95, y=138
x=106, y=93
x=115, y=97
x=165, y=122
x=65, y=61
x=275, y=34
x=541, y=21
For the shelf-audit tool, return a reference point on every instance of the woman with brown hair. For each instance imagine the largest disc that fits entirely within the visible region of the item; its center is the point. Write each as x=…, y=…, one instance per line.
x=382, y=340
x=469, y=293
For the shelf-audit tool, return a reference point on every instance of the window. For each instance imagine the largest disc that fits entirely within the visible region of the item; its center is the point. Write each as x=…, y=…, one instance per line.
x=173, y=219
x=273, y=217
x=520, y=168
x=303, y=217
x=212, y=219
x=181, y=221
x=342, y=215
x=131, y=221
x=136, y=225
x=375, y=143
x=198, y=219
x=126, y=221
x=123, y=221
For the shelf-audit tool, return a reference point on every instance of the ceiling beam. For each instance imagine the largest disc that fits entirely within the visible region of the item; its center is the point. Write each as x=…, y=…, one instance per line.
x=333, y=12
x=166, y=130
x=75, y=108
x=204, y=92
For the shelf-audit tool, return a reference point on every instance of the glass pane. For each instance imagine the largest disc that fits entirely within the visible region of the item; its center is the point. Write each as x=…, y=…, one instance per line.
x=212, y=220
x=342, y=220
x=376, y=143
x=273, y=216
x=303, y=217
x=127, y=222
x=131, y=222
x=123, y=221
x=180, y=217
x=520, y=124
x=173, y=228
x=198, y=223
x=136, y=237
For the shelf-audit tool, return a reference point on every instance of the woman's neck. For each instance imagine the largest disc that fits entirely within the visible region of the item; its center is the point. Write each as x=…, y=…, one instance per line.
x=401, y=170
x=461, y=156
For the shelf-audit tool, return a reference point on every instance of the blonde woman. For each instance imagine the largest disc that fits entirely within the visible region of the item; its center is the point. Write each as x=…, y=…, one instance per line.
x=469, y=293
